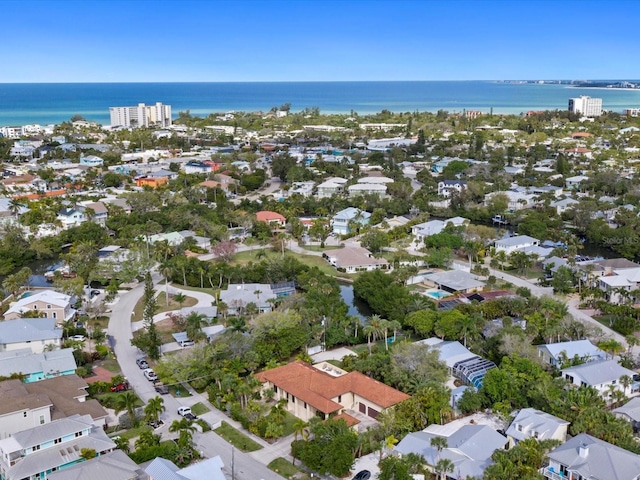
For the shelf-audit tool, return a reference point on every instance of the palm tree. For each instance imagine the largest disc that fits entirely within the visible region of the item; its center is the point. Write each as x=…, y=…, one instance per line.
x=127, y=401
x=625, y=381
x=373, y=329
x=154, y=408
x=15, y=204
x=185, y=430
x=439, y=443
x=443, y=467
x=180, y=298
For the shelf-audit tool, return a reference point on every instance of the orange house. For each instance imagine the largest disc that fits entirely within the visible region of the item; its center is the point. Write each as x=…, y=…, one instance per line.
x=153, y=182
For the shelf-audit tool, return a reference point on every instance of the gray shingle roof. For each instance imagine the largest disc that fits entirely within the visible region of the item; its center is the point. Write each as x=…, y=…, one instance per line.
x=26, y=362
x=600, y=461
x=60, y=454
x=598, y=373
x=29, y=329
x=114, y=465
x=532, y=420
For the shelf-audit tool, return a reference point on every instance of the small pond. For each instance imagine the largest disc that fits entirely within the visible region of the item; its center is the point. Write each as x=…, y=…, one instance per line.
x=356, y=306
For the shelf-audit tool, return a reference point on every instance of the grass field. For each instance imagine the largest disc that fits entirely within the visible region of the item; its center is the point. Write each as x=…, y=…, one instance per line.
x=244, y=258
x=161, y=302
x=134, y=432
x=199, y=408
x=236, y=438
x=286, y=469
x=111, y=364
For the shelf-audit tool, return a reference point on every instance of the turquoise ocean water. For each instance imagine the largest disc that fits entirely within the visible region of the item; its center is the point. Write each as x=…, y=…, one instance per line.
x=22, y=104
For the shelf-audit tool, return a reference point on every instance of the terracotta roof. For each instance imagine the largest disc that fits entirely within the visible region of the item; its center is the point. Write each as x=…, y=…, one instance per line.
x=269, y=216
x=351, y=421
x=36, y=196
x=317, y=388
x=581, y=135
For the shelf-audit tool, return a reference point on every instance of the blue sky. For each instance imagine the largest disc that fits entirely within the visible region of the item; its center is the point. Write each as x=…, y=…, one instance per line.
x=305, y=40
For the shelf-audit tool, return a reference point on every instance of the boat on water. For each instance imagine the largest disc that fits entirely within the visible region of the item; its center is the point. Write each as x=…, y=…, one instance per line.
x=62, y=272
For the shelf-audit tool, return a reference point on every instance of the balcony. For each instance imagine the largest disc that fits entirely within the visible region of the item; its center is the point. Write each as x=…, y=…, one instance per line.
x=550, y=473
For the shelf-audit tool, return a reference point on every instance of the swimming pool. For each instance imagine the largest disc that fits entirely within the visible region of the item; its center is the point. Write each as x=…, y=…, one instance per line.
x=438, y=295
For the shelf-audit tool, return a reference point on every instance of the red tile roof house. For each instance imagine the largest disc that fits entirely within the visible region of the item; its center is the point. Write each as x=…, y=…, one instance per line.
x=271, y=218
x=328, y=391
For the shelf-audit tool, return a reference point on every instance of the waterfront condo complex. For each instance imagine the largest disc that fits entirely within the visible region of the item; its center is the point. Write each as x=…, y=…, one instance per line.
x=583, y=105
x=142, y=115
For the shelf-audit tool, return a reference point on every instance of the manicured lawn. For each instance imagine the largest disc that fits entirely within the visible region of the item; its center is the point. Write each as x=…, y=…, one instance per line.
x=107, y=399
x=134, y=432
x=286, y=469
x=199, y=408
x=236, y=438
x=138, y=310
x=111, y=365
x=243, y=258
x=289, y=420
x=161, y=302
x=317, y=248
x=174, y=389
x=173, y=305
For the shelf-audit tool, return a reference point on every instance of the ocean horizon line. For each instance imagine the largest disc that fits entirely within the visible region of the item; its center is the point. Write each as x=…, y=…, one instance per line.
x=195, y=82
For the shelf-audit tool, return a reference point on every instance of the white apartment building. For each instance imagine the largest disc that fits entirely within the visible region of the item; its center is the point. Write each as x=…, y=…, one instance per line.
x=586, y=106
x=141, y=116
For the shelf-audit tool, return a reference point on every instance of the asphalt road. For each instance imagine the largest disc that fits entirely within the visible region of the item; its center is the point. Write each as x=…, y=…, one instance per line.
x=210, y=444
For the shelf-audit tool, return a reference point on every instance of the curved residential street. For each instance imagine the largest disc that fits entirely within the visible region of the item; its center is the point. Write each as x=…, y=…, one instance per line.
x=247, y=466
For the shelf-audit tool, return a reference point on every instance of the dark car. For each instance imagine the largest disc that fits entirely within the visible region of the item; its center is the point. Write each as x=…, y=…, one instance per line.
x=190, y=416
x=362, y=475
x=142, y=363
x=120, y=387
x=161, y=388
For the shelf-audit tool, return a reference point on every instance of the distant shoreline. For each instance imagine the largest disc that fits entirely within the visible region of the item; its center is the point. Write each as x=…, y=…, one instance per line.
x=605, y=88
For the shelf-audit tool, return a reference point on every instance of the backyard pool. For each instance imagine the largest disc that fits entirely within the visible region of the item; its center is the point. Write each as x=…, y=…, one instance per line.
x=438, y=294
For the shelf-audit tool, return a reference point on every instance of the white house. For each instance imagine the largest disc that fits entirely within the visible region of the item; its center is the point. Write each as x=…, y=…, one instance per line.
x=515, y=200
x=599, y=375
x=589, y=458
x=71, y=217
x=341, y=221
x=469, y=447
x=48, y=304
x=331, y=186
x=378, y=189
x=573, y=183
x=558, y=353
x=208, y=469
x=519, y=242
x=238, y=296
x=354, y=259
x=37, y=334
x=532, y=423
x=447, y=187
x=433, y=227
x=564, y=205
x=40, y=450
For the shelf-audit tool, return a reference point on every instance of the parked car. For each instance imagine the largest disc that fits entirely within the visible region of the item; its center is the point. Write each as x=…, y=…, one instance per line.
x=150, y=375
x=186, y=413
x=142, y=363
x=187, y=343
x=94, y=293
x=120, y=387
x=161, y=388
x=362, y=475
x=77, y=338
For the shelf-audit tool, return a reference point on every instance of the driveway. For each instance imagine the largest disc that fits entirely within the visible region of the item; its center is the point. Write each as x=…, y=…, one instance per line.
x=246, y=467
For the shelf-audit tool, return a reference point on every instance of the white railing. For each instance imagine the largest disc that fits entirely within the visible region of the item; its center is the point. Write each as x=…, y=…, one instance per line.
x=552, y=474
